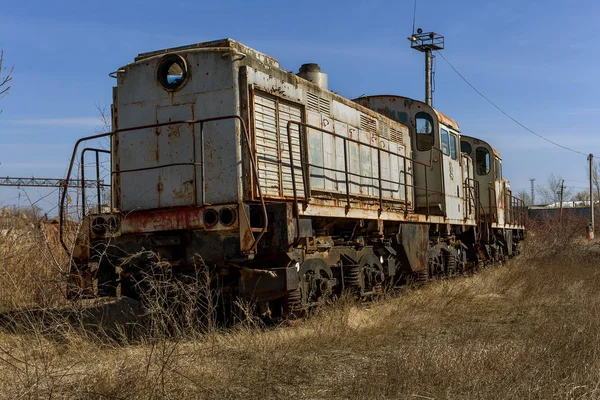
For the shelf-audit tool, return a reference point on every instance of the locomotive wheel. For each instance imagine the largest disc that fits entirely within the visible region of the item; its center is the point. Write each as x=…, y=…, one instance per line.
x=352, y=278
x=292, y=304
x=449, y=263
x=434, y=266
x=372, y=276
x=315, y=284
x=421, y=277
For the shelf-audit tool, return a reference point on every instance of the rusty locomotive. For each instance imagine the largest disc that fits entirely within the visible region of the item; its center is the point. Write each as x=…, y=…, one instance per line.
x=286, y=192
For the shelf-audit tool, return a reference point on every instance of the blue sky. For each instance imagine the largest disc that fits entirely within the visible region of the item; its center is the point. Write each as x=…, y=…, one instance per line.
x=534, y=59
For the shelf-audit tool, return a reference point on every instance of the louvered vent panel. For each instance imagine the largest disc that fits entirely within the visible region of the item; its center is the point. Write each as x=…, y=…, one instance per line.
x=396, y=136
x=324, y=107
x=267, y=148
x=368, y=124
x=312, y=102
x=271, y=117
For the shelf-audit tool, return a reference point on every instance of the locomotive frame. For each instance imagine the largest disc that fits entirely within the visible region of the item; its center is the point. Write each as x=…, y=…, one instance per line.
x=284, y=191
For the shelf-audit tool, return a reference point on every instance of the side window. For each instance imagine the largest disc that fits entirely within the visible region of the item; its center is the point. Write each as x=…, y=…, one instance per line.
x=465, y=147
x=497, y=169
x=453, y=147
x=424, y=130
x=445, y=144
x=482, y=160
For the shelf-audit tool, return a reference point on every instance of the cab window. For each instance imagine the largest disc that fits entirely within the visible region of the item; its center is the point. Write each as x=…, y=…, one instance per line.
x=482, y=160
x=445, y=144
x=453, y=147
x=465, y=147
x=497, y=169
x=424, y=129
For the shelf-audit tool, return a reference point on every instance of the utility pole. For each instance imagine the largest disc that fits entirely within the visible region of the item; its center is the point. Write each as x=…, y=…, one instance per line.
x=532, y=191
x=427, y=43
x=591, y=227
x=562, y=189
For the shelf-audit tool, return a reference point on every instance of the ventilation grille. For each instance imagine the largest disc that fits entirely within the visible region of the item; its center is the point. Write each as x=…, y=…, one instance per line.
x=368, y=124
x=324, y=107
x=312, y=102
x=318, y=104
x=396, y=136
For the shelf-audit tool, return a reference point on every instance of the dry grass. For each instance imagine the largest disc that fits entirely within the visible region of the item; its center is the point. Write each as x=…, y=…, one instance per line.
x=32, y=264
x=528, y=329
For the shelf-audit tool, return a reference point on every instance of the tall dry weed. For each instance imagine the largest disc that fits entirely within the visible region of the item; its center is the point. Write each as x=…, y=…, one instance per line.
x=526, y=329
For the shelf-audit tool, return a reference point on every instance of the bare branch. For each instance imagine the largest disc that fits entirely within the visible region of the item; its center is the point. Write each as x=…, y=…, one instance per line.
x=5, y=77
x=550, y=193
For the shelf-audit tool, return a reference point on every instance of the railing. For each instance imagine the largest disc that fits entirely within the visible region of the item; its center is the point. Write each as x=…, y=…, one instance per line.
x=246, y=138
x=492, y=204
x=305, y=165
x=514, y=207
x=517, y=211
x=98, y=189
x=471, y=188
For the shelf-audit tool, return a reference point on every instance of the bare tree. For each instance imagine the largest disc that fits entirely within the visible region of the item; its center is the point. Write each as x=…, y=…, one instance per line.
x=550, y=192
x=524, y=195
x=5, y=77
x=582, y=196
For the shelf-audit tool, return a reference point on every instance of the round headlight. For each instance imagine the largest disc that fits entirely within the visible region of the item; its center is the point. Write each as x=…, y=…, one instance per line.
x=211, y=217
x=227, y=216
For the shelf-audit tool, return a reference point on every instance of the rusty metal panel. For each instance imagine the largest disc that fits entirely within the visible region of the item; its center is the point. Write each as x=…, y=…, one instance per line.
x=413, y=240
x=221, y=143
x=340, y=128
x=166, y=184
x=315, y=152
x=165, y=168
x=171, y=219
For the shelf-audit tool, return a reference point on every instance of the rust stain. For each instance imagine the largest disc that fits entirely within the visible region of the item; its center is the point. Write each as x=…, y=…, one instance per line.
x=174, y=130
x=168, y=219
x=182, y=193
x=446, y=120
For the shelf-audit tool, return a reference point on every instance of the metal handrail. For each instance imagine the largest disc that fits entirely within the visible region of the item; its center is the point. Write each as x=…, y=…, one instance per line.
x=493, y=216
x=157, y=125
x=96, y=151
x=347, y=173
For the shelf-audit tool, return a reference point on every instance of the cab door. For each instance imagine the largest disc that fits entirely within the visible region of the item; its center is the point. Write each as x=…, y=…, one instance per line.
x=452, y=175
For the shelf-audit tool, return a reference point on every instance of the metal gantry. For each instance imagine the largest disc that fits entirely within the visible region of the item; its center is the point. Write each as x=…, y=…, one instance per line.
x=48, y=182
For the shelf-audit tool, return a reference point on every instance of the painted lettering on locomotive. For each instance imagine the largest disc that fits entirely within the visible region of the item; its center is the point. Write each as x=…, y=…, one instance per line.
x=288, y=192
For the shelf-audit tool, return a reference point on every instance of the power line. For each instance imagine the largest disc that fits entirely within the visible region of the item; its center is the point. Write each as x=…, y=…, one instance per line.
x=505, y=113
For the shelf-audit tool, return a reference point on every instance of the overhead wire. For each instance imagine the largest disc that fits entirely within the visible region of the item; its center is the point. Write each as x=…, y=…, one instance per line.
x=505, y=113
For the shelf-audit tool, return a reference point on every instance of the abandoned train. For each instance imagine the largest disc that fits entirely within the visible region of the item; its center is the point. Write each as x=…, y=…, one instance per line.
x=285, y=192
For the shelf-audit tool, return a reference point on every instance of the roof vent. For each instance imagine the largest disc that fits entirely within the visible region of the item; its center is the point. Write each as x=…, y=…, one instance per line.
x=312, y=72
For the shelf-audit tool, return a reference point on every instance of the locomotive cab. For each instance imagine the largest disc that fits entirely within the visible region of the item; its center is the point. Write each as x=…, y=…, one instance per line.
x=436, y=139
x=494, y=190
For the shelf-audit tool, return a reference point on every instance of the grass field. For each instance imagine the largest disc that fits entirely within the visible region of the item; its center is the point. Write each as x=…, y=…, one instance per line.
x=526, y=330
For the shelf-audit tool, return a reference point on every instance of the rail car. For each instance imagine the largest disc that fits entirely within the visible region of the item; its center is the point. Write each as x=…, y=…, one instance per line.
x=283, y=191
